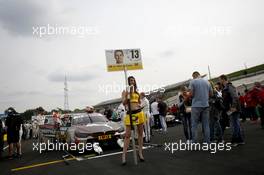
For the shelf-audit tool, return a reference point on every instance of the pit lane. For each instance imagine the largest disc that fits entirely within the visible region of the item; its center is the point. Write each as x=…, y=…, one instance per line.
x=240, y=160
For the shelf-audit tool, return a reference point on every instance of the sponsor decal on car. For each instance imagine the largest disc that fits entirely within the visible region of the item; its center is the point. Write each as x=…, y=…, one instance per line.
x=105, y=137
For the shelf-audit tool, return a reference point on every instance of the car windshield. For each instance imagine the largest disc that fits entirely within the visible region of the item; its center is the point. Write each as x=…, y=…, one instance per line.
x=81, y=120
x=49, y=120
x=98, y=118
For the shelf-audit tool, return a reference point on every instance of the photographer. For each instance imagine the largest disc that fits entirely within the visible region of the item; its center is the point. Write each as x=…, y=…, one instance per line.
x=13, y=124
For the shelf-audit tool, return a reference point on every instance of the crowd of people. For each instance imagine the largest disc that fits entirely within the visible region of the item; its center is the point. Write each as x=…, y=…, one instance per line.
x=218, y=106
x=252, y=103
x=215, y=105
x=16, y=129
x=211, y=105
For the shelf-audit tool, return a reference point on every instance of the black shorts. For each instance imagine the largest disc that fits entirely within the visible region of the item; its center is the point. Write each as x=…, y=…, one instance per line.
x=12, y=137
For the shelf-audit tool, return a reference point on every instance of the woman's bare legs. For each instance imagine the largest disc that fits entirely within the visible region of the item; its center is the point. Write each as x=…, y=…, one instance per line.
x=126, y=143
x=140, y=140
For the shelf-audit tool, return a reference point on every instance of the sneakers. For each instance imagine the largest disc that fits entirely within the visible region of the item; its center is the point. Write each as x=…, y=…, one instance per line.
x=188, y=141
x=238, y=143
x=218, y=141
x=10, y=157
x=17, y=156
x=221, y=141
x=241, y=143
x=234, y=144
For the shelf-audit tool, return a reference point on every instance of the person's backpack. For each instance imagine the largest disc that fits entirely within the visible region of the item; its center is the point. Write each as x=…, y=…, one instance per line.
x=217, y=102
x=220, y=103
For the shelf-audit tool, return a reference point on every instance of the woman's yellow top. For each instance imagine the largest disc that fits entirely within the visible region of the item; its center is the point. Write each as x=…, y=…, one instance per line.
x=134, y=98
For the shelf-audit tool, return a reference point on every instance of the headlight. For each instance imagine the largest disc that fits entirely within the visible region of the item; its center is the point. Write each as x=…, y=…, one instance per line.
x=81, y=135
x=117, y=133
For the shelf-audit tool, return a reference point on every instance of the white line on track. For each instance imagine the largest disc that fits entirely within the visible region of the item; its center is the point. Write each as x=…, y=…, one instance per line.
x=111, y=154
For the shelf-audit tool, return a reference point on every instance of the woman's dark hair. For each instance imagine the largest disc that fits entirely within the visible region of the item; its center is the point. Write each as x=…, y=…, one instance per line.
x=135, y=85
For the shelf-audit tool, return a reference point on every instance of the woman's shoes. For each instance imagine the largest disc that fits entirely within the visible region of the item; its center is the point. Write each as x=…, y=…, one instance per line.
x=141, y=159
x=123, y=161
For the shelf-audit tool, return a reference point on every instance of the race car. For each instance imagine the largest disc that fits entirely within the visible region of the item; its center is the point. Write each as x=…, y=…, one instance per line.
x=49, y=130
x=93, y=127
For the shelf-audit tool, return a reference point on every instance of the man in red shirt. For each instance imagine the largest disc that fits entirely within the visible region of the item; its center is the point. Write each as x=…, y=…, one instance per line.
x=174, y=110
x=258, y=96
x=242, y=103
x=250, y=104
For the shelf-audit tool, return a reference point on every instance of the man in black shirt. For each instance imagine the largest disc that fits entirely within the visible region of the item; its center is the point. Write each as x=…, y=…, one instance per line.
x=13, y=124
x=162, y=107
x=233, y=109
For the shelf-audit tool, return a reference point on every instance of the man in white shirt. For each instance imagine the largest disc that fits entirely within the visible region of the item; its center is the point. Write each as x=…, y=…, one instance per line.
x=40, y=119
x=121, y=112
x=146, y=110
x=37, y=121
x=155, y=114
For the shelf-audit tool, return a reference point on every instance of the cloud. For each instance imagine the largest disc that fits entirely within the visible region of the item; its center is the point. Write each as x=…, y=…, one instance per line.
x=167, y=53
x=73, y=77
x=22, y=93
x=18, y=17
x=35, y=93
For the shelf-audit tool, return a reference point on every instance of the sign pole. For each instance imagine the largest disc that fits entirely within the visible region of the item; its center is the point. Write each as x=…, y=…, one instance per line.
x=130, y=117
x=209, y=71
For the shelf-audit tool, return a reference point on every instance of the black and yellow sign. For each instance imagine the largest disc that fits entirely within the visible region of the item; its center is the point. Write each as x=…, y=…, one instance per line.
x=118, y=59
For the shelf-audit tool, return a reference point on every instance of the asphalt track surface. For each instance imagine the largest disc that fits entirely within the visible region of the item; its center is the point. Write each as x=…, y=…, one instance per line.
x=243, y=159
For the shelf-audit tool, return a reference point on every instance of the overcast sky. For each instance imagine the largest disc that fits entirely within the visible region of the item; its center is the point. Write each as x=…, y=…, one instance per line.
x=176, y=37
